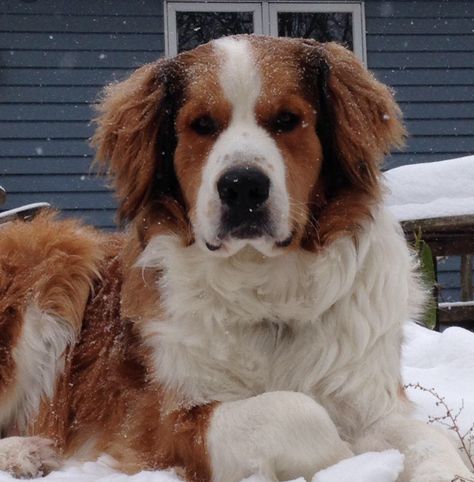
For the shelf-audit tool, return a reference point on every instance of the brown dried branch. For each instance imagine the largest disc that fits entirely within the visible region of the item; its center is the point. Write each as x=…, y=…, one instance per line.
x=450, y=420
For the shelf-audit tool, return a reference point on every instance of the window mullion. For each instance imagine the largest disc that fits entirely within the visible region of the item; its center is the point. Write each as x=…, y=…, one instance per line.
x=265, y=18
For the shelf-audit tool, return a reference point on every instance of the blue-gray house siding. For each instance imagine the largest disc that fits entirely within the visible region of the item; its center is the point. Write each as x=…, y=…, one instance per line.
x=425, y=51
x=55, y=55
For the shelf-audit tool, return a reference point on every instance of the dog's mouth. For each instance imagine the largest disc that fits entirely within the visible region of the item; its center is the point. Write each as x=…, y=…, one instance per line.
x=251, y=236
x=285, y=242
x=213, y=247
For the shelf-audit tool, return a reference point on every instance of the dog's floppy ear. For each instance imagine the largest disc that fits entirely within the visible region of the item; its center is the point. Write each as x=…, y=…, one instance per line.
x=358, y=123
x=359, y=120
x=135, y=138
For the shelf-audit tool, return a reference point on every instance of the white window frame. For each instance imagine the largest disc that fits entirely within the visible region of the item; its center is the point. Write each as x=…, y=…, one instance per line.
x=265, y=17
x=171, y=36
x=356, y=9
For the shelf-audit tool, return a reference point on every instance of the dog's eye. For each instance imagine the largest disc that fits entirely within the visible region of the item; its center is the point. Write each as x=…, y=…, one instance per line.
x=285, y=122
x=204, y=125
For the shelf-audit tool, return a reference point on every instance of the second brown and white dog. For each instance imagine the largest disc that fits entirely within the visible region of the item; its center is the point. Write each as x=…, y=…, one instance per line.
x=250, y=318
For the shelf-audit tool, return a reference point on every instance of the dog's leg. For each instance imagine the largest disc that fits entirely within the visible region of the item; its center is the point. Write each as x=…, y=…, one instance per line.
x=430, y=454
x=28, y=457
x=279, y=435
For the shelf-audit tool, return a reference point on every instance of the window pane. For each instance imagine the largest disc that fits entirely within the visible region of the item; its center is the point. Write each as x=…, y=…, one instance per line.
x=196, y=28
x=320, y=26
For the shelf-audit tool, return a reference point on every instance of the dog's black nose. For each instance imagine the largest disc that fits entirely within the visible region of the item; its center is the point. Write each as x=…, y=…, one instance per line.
x=243, y=189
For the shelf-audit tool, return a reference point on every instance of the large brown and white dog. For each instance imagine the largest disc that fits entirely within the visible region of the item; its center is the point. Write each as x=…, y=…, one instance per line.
x=250, y=319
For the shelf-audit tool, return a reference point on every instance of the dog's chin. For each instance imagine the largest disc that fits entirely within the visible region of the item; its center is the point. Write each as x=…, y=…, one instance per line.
x=262, y=243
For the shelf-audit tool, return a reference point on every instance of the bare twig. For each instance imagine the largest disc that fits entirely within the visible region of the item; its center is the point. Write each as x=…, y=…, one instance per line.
x=450, y=420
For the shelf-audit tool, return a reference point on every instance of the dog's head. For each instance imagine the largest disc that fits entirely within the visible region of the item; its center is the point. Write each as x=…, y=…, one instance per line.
x=269, y=142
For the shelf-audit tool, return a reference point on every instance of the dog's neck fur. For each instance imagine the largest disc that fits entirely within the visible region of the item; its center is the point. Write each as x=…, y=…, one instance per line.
x=235, y=327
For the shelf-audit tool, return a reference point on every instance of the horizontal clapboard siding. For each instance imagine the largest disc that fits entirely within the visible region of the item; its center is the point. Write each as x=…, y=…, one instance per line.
x=425, y=77
x=85, y=77
x=419, y=26
x=93, y=42
x=55, y=56
x=443, y=9
x=75, y=60
x=425, y=51
x=46, y=165
x=82, y=24
x=25, y=183
x=417, y=60
x=45, y=112
x=43, y=130
x=66, y=200
x=27, y=147
x=118, y=8
x=419, y=43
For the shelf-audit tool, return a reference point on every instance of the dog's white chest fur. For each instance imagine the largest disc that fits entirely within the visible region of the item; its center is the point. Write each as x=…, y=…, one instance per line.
x=236, y=327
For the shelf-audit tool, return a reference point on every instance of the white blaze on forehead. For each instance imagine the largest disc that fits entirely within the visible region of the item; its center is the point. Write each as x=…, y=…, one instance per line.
x=242, y=143
x=239, y=76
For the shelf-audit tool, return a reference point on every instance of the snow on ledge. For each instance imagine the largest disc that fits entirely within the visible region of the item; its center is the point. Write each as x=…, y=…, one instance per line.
x=452, y=304
x=432, y=189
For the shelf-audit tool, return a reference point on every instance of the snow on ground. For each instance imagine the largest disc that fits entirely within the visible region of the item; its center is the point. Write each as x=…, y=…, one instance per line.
x=440, y=361
x=369, y=467
x=443, y=361
x=432, y=189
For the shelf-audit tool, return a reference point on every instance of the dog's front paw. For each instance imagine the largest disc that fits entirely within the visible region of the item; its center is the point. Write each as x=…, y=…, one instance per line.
x=442, y=477
x=437, y=473
x=28, y=457
x=435, y=460
x=275, y=435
